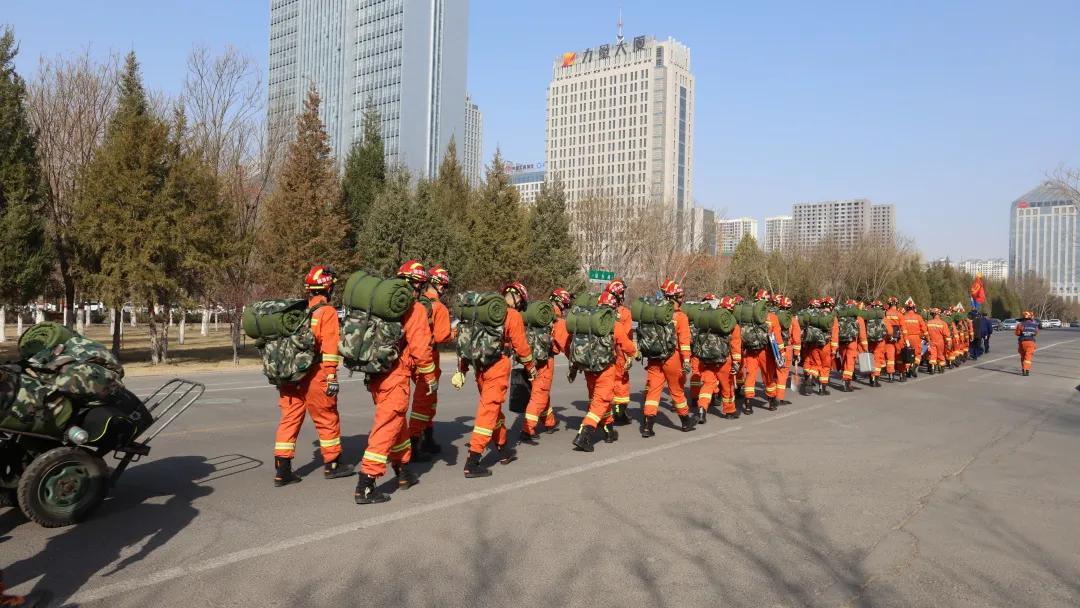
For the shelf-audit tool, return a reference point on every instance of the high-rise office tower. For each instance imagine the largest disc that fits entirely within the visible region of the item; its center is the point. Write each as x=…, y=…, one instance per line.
x=1044, y=238
x=778, y=233
x=729, y=232
x=472, y=148
x=845, y=221
x=407, y=56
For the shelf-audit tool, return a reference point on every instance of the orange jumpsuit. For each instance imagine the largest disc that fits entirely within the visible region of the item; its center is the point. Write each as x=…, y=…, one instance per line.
x=914, y=330
x=389, y=439
x=622, y=383
x=817, y=358
x=892, y=348
x=761, y=360
x=539, y=406
x=493, y=383
x=669, y=371
x=310, y=393
x=941, y=343
x=423, y=404
x=602, y=384
x=849, y=351
x=1026, y=344
x=793, y=348
x=719, y=376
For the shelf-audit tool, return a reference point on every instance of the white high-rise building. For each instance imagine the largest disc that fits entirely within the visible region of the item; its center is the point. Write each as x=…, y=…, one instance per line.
x=846, y=221
x=992, y=270
x=778, y=233
x=472, y=148
x=408, y=56
x=1044, y=238
x=527, y=179
x=702, y=231
x=730, y=232
x=620, y=126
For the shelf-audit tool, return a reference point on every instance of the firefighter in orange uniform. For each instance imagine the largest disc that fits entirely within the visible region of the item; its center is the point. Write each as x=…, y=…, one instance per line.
x=849, y=351
x=913, y=327
x=617, y=288
x=671, y=371
x=878, y=348
x=894, y=337
x=792, y=351
x=539, y=408
x=830, y=351
x=493, y=382
x=602, y=385
x=424, y=404
x=389, y=439
x=940, y=339
x=317, y=392
x=1026, y=332
x=761, y=360
x=721, y=376
x=809, y=354
x=712, y=301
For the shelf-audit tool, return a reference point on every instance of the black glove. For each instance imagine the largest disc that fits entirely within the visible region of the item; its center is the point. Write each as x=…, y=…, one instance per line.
x=332, y=386
x=572, y=375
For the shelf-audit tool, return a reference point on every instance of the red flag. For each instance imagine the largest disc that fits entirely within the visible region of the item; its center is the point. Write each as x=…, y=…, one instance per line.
x=978, y=290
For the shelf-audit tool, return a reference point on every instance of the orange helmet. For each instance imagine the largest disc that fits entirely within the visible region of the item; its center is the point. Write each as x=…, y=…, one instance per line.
x=518, y=288
x=561, y=297
x=1027, y=314
x=727, y=302
x=762, y=294
x=439, y=275
x=617, y=288
x=320, y=278
x=413, y=271
x=671, y=289
x=608, y=299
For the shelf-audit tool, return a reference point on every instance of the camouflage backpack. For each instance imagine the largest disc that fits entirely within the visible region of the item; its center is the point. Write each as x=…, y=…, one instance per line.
x=709, y=346
x=540, y=341
x=479, y=344
x=849, y=329
x=369, y=343
x=79, y=368
x=31, y=405
x=755, y=336
x=656, y=340
x=287, y=346
x=591, y=353
x=875, y=330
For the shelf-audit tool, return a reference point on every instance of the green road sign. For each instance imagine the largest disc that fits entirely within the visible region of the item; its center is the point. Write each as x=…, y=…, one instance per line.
x=595, y=274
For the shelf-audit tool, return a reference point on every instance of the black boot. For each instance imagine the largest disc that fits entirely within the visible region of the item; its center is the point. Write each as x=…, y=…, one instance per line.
x=688, y=422
x=507, y=454
x=804, y=388
x=473, y=468
x=529, y=438
x=847, y=386
x=417, y=448
x=366, y=494
x=647, y=427
x=428, y=444
x=824, y=390
x=583, y=440
x=336, y=470
x=701, y=415
x=405, y=477
x=773, y=404
x=931, y=369
x=621, y=419
x=903, y=376
x=610, y=434
x=914, y=373
x=283, y=474
x=747, y=406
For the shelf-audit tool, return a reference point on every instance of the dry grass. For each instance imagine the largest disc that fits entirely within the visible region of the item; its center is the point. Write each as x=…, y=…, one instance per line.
x=198, y=353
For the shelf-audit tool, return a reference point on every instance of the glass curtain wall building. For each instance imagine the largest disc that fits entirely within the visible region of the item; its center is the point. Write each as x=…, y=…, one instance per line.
x=1043, y=238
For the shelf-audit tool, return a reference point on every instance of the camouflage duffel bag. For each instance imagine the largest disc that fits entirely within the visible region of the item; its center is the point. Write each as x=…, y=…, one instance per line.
x=79, y=368
x=591, y=353
x=369, y=343
x=29, y=405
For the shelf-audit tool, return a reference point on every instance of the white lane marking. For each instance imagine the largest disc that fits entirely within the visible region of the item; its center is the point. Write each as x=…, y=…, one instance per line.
x=228, y=559
x=168, y=574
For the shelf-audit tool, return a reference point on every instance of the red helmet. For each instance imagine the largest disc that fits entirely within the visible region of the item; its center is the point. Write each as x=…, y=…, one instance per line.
x=727, y=302
x=617, y=287
x=738, y=299
x=762, y=294
x=708, y=297
x=518, y=288
x=815, y=303
x=785, y=302
x=851, y=302
x=608, y=299
x=909, y=303
x=413, y=271
x=439, y=275
x=671, y=289
x=1027, y=314
x=320, y=278
x=877, y=304
x=935, y=311
x=828, y=301
x=893, y=300
x=777, y=299
x=561, y=297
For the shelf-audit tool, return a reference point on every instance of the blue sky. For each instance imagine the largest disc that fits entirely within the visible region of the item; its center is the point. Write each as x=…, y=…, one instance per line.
x=950, y=110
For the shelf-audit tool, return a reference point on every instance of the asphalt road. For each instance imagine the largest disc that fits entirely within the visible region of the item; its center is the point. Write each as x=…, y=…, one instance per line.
x=952, y=490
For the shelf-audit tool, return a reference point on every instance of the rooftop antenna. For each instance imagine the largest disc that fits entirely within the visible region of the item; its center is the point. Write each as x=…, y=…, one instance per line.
x=620, y=25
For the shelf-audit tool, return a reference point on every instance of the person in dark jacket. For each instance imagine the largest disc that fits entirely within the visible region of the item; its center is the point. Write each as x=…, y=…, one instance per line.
x=987, y=329
x=975, y=347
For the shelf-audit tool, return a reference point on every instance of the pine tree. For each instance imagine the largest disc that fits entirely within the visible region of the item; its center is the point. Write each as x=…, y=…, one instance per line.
x=553, y=259
x=24, y=257
x=450, y=191
x=304, y=221
x=402, y=225
x=365, y=171
x=497, y=250
x=118, y=215
x=748, y=267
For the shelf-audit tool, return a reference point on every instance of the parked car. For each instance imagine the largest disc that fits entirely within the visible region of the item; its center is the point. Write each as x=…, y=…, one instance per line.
x=1043, y=323
x=995, y=324
x=1009, y=324
x=1055, y=322
x=1074, y=323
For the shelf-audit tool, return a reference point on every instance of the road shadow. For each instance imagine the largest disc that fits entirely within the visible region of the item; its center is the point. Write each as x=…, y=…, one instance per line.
x=152, y=504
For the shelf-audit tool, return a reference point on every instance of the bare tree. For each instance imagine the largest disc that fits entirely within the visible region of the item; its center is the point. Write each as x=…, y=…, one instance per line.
x=70, y=103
